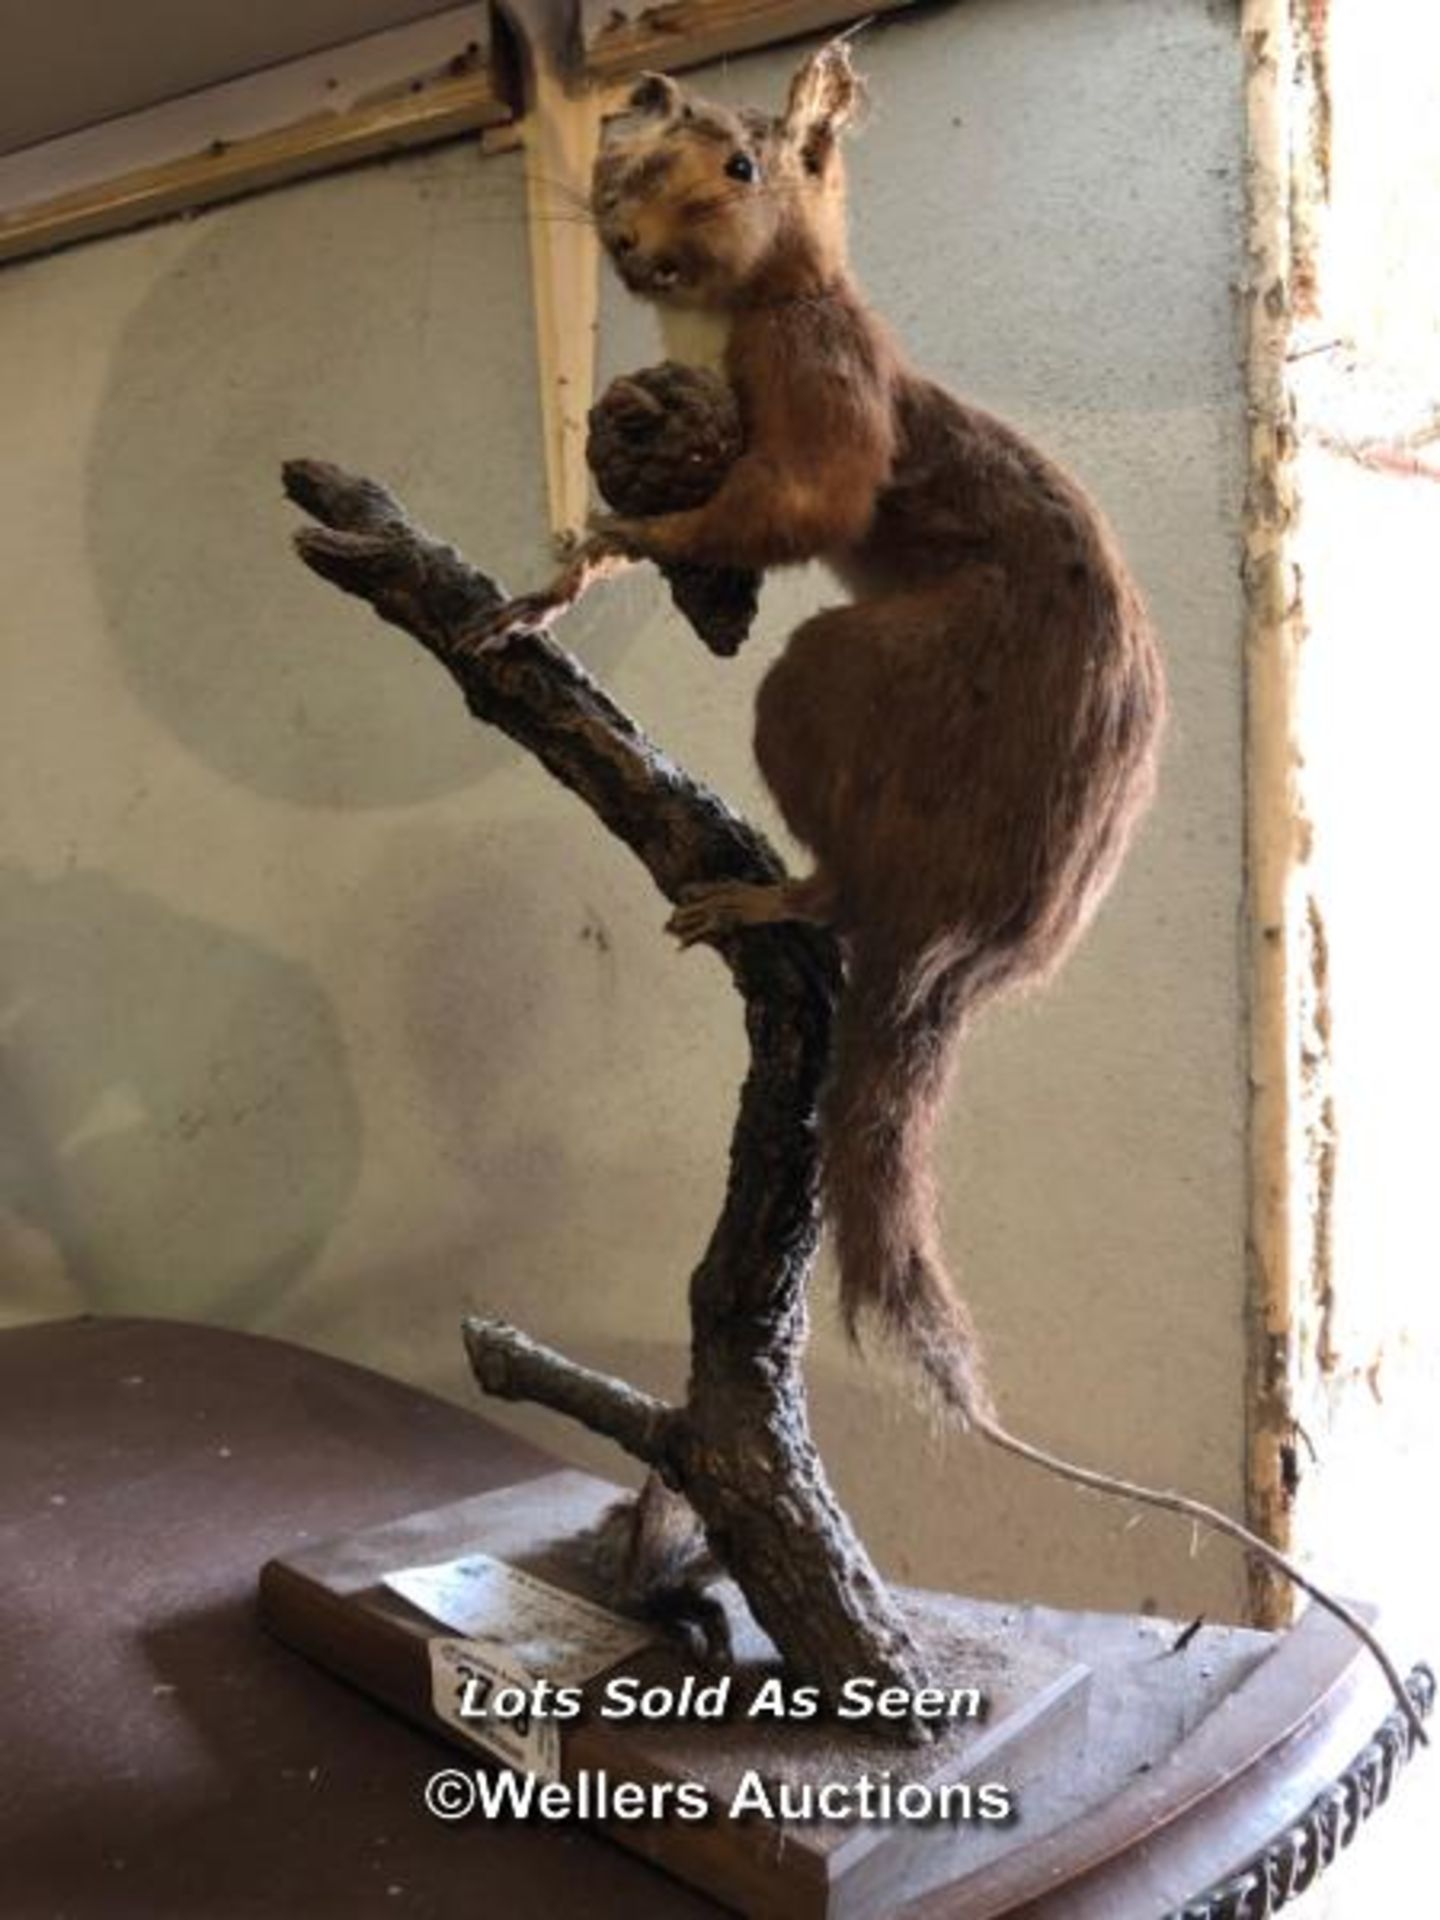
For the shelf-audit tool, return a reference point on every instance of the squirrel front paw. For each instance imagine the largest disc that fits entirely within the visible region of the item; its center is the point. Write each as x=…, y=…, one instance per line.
x=624, y=533
x=528, y=613
x=656, y=537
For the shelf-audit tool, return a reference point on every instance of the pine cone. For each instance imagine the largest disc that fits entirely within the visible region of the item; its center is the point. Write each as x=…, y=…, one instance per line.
x=661, y=441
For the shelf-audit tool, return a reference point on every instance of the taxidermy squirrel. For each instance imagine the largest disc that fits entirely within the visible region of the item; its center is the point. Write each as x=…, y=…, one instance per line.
x=965, y=747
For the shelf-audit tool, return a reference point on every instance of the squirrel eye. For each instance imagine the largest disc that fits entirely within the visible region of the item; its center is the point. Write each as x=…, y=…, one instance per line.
x=740, y=167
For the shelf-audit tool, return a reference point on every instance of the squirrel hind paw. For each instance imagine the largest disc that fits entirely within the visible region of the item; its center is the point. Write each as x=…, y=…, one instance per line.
x=715, y=908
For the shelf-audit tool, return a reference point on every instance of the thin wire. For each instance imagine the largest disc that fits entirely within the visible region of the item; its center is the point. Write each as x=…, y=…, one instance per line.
x=1198, y=1511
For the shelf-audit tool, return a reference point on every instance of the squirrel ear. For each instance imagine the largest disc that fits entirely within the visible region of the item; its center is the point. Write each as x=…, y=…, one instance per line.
x=825, y=93
x=658, y=94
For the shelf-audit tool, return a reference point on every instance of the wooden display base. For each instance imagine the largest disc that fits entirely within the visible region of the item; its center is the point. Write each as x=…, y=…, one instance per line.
x=328, y=1603
x=1147, y=1764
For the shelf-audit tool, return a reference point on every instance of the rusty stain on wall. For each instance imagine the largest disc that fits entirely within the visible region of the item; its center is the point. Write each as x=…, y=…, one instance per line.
x=1310, y=183
x=1276, y=841
x=1318, y=1135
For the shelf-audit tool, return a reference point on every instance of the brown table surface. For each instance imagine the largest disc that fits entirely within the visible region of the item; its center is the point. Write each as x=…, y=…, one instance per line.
x=159, y=1755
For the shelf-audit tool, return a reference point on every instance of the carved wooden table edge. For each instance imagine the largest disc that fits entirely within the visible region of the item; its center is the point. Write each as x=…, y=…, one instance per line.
x=1293, y=1861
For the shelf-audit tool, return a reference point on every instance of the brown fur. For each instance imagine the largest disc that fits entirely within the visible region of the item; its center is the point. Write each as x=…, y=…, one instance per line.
x=967, y=745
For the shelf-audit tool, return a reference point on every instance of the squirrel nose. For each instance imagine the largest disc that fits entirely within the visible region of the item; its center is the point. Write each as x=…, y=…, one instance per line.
x=624, y=242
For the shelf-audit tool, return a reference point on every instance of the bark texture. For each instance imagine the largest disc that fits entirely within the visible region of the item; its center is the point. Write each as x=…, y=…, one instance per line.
x=739, y=1448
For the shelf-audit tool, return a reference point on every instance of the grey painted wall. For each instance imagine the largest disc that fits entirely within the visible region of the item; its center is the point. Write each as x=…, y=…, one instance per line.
x=324, y=1014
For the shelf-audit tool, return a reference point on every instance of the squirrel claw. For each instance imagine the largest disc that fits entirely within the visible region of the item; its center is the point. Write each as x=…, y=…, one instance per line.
x=697, y=918
x=686, y=925
x=529, y=613
x=700, y=1621
x=714, y=908
x=613, y=533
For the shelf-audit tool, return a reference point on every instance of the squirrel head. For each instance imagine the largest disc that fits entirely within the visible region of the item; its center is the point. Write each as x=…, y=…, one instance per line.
x=699, y=205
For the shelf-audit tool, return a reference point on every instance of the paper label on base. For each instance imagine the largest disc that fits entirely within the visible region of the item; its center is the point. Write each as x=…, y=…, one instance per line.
x=516, y=1630
x=466, y=1675
x=549, y=1633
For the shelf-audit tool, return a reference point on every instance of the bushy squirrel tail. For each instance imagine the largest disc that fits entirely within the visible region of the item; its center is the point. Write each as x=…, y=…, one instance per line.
x=895, y=1042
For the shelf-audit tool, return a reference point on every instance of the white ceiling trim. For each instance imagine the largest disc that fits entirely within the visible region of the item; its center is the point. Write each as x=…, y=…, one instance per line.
x=315, y=88
x=69, y=64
